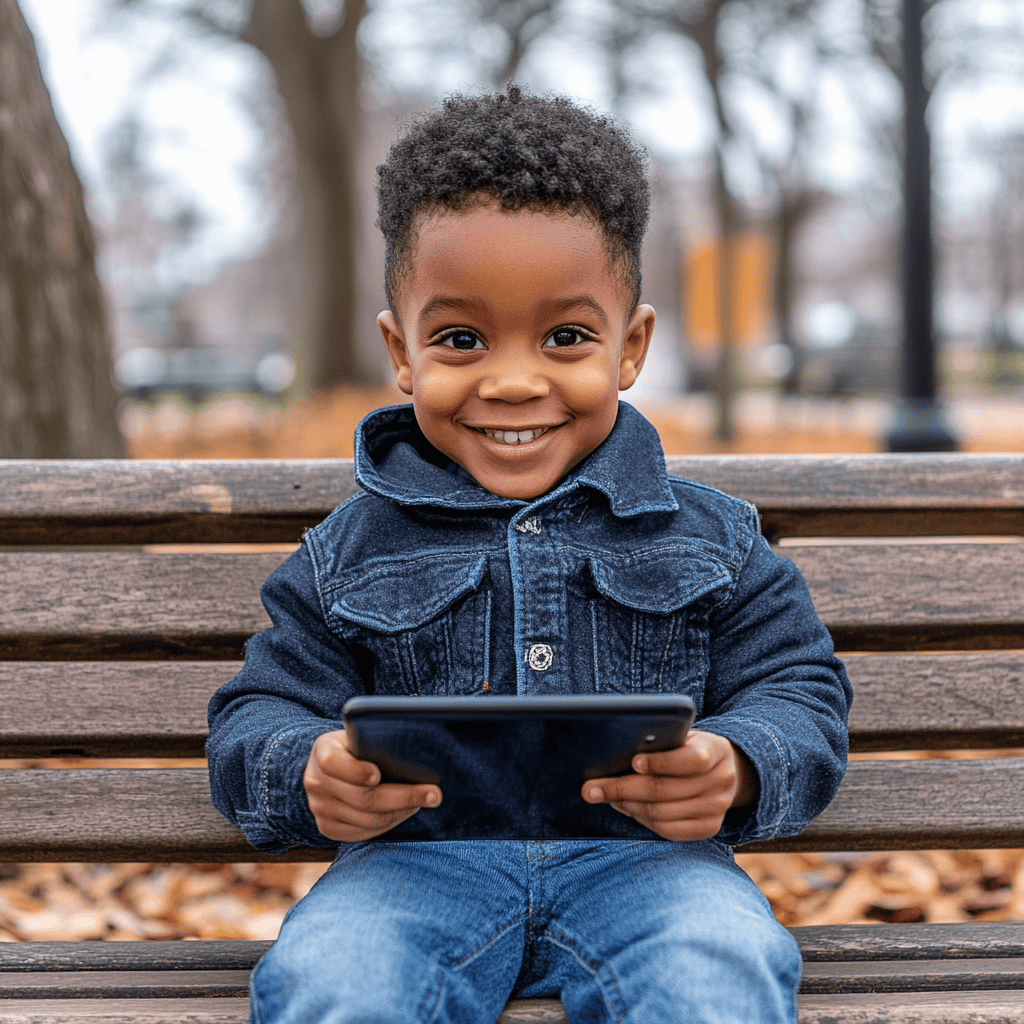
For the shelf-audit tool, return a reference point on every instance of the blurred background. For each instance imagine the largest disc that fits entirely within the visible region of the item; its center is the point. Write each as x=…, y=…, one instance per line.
x=227, y=151
x=189, y=268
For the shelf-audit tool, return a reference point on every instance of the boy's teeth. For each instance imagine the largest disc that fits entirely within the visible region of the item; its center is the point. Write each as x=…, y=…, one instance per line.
x=514, y=436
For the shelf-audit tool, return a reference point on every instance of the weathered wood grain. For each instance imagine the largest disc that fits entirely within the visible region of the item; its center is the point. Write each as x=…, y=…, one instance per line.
x=124, y=1011
x=166, y=815
x=921, y=805
x=534, y=1011
x=908, y=596
x=158, y=709
x=211, y=983
x=138, y=955
x=107, y=709
x=1006, y=1007
x=76, y=984
x=970, y=940
x=913, y=975
x=131, y=604
x=836, y=943
x=854, y=1008
x=140, y=502
x=937, y=701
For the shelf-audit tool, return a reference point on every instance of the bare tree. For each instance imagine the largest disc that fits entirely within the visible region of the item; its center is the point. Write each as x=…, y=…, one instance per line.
x=703, y=24
x=318, y=75
x=57, y=398
x=522, y=22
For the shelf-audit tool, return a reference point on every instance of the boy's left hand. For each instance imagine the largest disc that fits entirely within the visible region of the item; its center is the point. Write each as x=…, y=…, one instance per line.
x=681, y=794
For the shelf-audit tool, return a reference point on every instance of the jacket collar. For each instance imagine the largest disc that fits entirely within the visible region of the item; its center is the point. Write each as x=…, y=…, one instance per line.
x=395, y=461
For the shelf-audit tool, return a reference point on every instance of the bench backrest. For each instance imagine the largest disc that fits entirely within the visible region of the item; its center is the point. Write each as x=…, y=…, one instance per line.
x=127, y=590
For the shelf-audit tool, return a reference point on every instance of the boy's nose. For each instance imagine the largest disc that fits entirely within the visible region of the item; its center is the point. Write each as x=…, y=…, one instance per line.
x=514, y=380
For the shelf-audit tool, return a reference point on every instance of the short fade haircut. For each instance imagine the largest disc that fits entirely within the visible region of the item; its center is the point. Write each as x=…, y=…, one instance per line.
x=527, y=152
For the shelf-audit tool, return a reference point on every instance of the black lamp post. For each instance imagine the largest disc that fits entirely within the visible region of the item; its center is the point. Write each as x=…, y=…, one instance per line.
x=919, y=423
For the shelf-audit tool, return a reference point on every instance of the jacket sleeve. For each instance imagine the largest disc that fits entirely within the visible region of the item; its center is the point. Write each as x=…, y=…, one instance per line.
x=295, y=681
x=777, y=691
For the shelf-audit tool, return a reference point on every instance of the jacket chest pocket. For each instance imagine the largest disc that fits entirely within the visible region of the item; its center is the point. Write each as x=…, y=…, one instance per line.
x=649, y=616
x=425, y=624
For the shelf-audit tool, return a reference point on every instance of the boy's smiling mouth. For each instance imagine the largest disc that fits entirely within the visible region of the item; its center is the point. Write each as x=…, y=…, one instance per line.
x=512, y=437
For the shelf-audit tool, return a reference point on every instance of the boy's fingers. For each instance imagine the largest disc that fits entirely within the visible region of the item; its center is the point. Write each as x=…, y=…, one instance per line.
x=348, y=831
x=696, y=756
x=642, y=788
x=335, y=760
x=670, y=810
x=383, y=798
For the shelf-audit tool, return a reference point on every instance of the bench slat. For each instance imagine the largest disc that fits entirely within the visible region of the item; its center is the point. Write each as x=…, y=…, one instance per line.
x=75, y=984
x=835, y=943
x=1005, y=1007
x=131, y=604
x=107, y=709
x=165, y=814
x=818, y=978
x=128, y=1011
x=158, y=709
x=937, y=701
x=913, y=975
x=147, y=605
x=140, y=502
x=854, y=1008
x=880, y=597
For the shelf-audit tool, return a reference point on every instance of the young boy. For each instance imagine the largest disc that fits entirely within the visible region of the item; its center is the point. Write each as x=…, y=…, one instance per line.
x=517, y=534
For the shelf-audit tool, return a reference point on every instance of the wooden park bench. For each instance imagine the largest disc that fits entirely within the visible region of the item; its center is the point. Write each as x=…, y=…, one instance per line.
x=127, y=590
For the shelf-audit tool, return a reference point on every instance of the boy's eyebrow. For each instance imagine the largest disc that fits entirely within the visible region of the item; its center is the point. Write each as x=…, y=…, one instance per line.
x=556, y=306
x=548, y=308
x=453, y=302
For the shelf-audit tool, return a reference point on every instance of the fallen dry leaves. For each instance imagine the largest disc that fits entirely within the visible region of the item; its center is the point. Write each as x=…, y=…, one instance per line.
x=249, y=901
x=150, y=901
x=936, y=886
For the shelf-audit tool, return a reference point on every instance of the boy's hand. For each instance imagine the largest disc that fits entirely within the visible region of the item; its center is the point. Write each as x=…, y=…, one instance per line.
x=347, y=798
x=681, y=794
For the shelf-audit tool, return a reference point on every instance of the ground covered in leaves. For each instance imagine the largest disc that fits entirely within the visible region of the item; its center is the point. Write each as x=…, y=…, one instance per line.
x=249, y=901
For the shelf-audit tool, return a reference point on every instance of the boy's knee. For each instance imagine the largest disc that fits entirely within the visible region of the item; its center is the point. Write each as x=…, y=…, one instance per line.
x=297, y=983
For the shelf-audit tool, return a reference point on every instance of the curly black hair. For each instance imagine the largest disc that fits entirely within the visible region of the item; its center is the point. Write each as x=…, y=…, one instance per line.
x=526, y=151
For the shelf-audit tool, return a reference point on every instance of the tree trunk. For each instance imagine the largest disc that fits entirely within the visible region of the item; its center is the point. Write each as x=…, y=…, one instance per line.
x=57, y=398
x=792, y=211
x=704, y=32
x=318, y=78
x=725, y=382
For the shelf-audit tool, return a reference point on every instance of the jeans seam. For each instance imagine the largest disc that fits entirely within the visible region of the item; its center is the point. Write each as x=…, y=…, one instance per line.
x=470, y=957
x=610, y=993
x=437, y=1003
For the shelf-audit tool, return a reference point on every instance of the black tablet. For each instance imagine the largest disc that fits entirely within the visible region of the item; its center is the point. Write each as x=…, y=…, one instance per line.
x=513, y=767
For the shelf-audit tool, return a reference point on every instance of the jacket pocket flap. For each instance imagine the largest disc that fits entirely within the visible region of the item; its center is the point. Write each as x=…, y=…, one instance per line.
x=659, y=581
x=399, y=596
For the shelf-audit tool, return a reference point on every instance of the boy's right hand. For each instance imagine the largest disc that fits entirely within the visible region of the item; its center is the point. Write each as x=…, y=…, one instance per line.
x=347, y=798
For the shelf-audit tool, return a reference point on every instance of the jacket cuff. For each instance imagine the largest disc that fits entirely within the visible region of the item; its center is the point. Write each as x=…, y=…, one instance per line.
x=282, y=819
x=769, y=755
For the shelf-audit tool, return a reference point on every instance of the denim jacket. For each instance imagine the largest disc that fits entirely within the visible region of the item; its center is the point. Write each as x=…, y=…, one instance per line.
x=621, y=579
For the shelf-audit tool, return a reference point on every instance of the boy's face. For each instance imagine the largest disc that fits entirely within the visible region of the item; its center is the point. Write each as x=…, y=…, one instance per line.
x=514, y=343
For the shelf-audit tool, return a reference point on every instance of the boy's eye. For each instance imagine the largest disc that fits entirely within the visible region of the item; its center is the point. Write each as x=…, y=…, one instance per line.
x=564, y=337
x=464, y=341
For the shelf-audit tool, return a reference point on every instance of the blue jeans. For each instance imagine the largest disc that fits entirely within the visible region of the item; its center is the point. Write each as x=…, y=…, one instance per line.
x=631, y=932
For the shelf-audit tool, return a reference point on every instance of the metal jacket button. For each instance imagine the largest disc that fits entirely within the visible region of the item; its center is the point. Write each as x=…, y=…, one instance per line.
x=539, y=657
x=531, y=525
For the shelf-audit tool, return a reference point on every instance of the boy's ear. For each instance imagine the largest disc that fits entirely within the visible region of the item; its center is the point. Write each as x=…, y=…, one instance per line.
x=635, y=342
x=391, y=332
